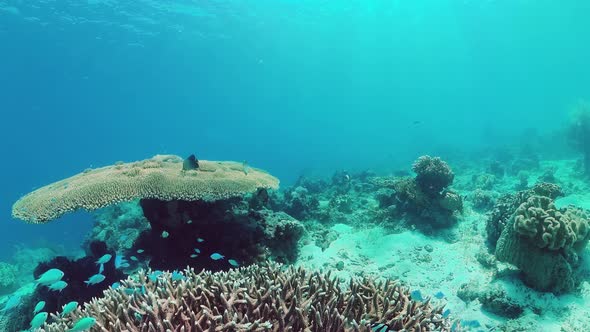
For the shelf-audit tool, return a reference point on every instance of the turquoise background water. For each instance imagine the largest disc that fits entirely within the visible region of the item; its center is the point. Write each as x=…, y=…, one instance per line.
x=289, y=86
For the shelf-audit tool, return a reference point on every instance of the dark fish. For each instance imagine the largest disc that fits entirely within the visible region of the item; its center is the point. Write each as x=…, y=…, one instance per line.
x=190, y=163
x=416, y=122
x=380, y=327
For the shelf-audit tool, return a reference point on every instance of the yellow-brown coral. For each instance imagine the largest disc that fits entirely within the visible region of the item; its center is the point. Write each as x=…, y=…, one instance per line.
x=160, y=177
x=550, y=228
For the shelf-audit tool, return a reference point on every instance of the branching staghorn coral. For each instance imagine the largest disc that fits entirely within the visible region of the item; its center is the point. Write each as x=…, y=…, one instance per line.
x=161, y=177
x=255, y=298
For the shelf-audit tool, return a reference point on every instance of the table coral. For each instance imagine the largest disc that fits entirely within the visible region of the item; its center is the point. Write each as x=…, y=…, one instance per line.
x=160, y=177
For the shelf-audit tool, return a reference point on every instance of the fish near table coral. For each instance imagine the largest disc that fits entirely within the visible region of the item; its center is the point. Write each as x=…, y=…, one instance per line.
x=50, y=276
x=95, y=279
x=190, y=164
x=83, y=324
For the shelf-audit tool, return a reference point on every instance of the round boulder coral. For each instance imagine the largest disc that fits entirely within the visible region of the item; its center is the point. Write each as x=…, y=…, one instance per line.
x=432, y=174
x=161, y=177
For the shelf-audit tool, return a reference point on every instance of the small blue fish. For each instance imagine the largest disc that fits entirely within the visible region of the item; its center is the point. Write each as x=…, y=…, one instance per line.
x=58, y=286
x=198, y=251
x=380, y=327
x=216, y=256
x=104, y=259
x=194, y=256
x=446, y=313
x=12, y=303
x=233, y=262
x=83, y=324
x=38, y=320
x=155, y=275
x=40, y=305
x=120, y=262
x=116, y=285
x=165, y=234
x=200, y=240
x=95, y=279
x=50, y=276
x=129, y=291
x=189, y=222
x=439, y=295
x=176, y=276
x=69, y=308
x=140, y=251
x=101, y=269
x=417, y=295
x=133, y=258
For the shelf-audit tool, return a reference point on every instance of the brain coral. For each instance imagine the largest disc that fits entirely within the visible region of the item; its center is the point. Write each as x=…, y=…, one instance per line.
x=160, y=177
x=540, y=220
x=255, y=298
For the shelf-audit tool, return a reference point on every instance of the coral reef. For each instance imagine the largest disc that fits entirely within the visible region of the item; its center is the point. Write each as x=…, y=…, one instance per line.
x=539, y=220
x=483, y=181
x=507, y=204
x=493, y=299
x=425, y=201
x=482, y=200
x=76, y=272
x=118, y=226
x=544, y=243
x=578, y=132
x=160, y=177
x=432, y=174
x=256, y=298
x=228, y=227
x=8, y=277
x=298, y=202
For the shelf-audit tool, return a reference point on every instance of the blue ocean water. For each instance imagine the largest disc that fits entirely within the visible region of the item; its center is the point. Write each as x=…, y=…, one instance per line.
x=293, y=87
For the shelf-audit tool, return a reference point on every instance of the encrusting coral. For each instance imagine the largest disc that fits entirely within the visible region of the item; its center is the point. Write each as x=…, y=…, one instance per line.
x=161, y=177
x=254, y=298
